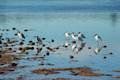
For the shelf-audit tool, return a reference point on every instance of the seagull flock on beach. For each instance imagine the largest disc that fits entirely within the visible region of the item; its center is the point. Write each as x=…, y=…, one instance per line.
x=18, y=43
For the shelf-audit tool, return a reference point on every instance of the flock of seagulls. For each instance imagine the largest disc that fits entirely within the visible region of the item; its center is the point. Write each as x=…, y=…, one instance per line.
x=20, y=43
x=78, y=41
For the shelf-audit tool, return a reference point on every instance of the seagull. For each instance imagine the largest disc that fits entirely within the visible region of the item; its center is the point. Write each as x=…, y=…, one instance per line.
x=97, y=38
x=20, y=35
x=67, y=35
x=81, y=35
x=74, y=37
x=80, y=40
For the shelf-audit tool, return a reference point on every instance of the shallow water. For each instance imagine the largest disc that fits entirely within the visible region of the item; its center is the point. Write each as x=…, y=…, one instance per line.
x=53, y=26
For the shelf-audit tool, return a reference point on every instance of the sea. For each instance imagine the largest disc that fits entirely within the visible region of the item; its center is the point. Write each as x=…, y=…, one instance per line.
x=52, y=18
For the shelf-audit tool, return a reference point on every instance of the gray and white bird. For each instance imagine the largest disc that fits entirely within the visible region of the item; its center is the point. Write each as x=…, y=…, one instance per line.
x=74, y=37
x=67, y=35
x=20, y=35
x=98, y=39
x=81, y=35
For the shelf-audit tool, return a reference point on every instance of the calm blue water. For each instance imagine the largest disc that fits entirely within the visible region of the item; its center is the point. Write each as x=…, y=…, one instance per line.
x=52, y=18
x=59, y=6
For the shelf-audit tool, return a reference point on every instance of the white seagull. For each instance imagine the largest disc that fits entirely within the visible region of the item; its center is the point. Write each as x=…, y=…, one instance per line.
x=97, y=38
x=81, y=35
x=74, y=37
x=67, y=35
x=20, y=35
